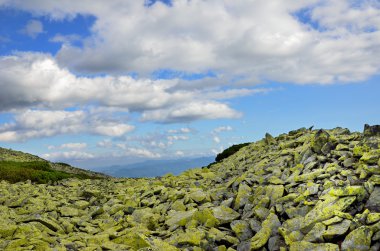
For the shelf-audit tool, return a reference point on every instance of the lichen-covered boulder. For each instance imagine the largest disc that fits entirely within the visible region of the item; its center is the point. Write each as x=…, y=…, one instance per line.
x=241, y=229
x=305, y=190
x=324, y=210
x=373, y=202
x=359, y=239
x=270, y=225
x=225, y=214
x=308, y=246
x=179, y=218
x=371, y=130
x=191, y=237
x=336, y=229
x=242, y=196
x=319, y=140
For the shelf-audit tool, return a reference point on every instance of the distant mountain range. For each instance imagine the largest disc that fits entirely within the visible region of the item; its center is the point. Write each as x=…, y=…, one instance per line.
x=154, y=168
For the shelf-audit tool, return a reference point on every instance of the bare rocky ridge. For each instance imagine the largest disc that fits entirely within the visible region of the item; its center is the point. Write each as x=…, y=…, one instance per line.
x=304, y=190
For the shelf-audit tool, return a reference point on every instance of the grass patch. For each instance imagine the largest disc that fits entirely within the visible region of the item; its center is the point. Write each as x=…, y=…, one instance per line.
x=35, y=171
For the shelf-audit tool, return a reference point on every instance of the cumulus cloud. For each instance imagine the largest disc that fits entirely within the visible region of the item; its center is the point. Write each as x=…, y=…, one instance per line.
x=181, y=130
x=222, y=129
x=36, y=80
x=190, y=112
x=249, y=40
x=140, y=152
x=177, y=137
x=41, y=123
x=76, y=146
x=33, y=28
x=71, y=155
x=112, y=129
x=241, y=43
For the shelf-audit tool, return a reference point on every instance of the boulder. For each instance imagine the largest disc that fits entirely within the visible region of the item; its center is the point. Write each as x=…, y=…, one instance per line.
x=225, y=214
x=359, y=239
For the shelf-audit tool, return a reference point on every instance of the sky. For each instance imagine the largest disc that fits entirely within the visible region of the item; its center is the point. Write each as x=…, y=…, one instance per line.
x=96, y=83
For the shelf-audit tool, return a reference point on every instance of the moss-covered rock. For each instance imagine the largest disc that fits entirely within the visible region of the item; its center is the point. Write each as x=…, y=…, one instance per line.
x=373, y=202
x=241, y=229
x=359, y=239
x=305, y=190
x=308, y=246
x=225, y=214
x=179, y=218
x=270, y=225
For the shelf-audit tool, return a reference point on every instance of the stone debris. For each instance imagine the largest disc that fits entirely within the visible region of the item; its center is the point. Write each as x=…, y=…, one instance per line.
x=305, y=190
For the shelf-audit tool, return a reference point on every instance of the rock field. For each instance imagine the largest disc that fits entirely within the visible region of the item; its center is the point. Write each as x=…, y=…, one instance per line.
x=304, y=190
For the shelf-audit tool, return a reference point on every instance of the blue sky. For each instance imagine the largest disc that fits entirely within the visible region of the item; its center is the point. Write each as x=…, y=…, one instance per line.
x=96, y=84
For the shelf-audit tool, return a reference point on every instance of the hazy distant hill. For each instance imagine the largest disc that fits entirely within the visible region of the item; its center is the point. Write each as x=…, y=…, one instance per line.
x=154, y=168
x=19, y=166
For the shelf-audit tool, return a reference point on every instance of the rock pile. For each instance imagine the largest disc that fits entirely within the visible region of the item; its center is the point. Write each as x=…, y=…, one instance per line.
x=305, y=190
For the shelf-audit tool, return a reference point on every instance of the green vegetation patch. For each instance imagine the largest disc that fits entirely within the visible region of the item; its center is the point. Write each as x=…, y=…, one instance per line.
x=230, y=151
x=35, y=171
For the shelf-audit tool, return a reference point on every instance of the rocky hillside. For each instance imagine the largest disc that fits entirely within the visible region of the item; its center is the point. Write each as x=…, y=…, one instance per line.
x=305, y=190
x=18, y=166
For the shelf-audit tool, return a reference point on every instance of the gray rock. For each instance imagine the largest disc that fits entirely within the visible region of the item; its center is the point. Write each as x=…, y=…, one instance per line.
x=316, y=233
x=373, y=202
x=359, y=239
x=241, y=229
x=337, y=229
x=275, y=242
x=371, y=130
x=255, y=225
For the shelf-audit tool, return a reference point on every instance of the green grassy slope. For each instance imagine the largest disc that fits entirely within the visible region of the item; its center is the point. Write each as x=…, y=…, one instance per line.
x=17, y=166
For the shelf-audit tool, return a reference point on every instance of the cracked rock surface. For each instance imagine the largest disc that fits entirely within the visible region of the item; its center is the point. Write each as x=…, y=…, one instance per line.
x=304, y=190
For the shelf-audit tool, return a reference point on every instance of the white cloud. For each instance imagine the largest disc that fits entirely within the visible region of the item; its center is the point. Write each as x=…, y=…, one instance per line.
x=251, y=40
x=106, y=143
x=348, y=15
x=66, y=39
x=177, y=137
x=36, y=80
x=181, y=130
x=215, y=133
x=216, y=139
x=113, y=129
x=72, y=155
x=40, y=123
x=76, y=146
x=242, y=42
x=191, y=111
x=33, y=28
x=222, y=129
x=185, y=130
x=217, y=151
x=161, y=145
x=179, y=153
x=140, y=152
